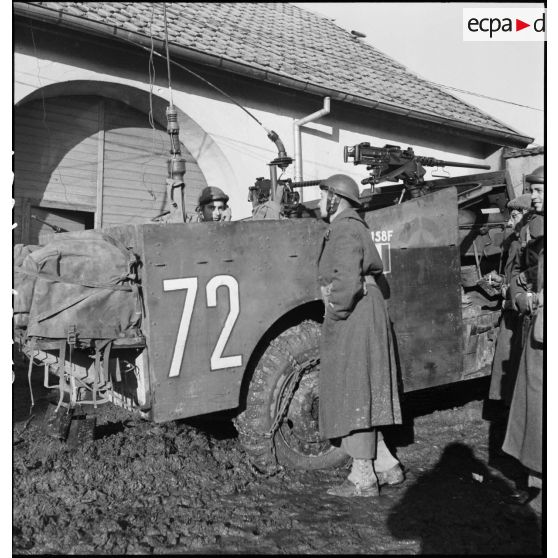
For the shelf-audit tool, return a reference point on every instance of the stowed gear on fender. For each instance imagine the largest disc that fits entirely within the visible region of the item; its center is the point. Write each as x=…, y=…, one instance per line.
x=296, y=441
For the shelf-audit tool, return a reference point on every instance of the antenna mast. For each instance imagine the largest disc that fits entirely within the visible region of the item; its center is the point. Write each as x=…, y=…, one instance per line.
x=176, y=164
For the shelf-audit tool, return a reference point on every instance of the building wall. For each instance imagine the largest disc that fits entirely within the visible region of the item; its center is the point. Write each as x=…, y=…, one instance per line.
x=521, y=166
x=229, y=147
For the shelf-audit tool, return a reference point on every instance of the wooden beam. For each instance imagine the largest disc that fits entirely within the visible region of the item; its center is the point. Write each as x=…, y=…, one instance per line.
x=54, y=204
x=100, y=165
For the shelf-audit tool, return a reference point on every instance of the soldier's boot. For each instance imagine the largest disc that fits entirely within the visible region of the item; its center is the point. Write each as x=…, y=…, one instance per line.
x=388, y=469
x=360, y=482
x=536, y=503
x=391, y=477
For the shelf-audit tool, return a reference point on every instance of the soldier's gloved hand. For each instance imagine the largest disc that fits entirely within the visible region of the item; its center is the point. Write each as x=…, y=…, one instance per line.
x=504, y=290
x=494, y=277
x=524, y=303
x=226, y=215
x=522, y=280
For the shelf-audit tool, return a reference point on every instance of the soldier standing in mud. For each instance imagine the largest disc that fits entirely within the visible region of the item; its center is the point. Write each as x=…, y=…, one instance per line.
x=212, y=205
x=524, y=431
x=508, y=342
x=358, y=384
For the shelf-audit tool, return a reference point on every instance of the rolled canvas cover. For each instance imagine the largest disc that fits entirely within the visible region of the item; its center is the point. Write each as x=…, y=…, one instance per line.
x=23, y=285
x=84, y=280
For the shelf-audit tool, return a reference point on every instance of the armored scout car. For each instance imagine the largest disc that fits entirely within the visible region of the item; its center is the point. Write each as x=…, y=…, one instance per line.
x=182, y=319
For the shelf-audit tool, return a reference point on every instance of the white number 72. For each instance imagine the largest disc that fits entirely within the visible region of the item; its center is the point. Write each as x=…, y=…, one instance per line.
x=190, y=285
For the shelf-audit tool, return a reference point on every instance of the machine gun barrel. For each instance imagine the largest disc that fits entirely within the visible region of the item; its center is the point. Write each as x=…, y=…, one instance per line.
x=431, y=162
x=306, y=183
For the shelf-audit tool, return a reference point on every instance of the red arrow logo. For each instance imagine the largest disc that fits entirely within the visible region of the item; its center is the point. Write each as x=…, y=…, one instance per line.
x=519, y=25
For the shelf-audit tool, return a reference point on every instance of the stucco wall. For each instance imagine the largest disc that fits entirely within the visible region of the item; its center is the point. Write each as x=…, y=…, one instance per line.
x=231, y=149
x=518, y=167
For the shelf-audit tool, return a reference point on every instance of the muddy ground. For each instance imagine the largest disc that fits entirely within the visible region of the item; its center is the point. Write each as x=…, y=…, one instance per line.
x=187, y=487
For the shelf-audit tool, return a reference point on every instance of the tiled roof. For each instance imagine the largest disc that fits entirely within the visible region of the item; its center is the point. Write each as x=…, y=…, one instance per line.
x=289, y=42
x=516, y=152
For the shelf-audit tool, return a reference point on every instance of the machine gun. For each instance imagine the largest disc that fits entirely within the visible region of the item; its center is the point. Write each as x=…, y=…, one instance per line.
x=261, y=192
x=391, y=163
x=55, y=228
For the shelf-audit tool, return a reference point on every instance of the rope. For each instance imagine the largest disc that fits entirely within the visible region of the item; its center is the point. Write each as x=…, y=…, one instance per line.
x=90, y=284
x=292, y=384
x=29, y=383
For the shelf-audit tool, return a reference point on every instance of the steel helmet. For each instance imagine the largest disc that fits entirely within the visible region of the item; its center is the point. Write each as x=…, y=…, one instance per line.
x=536, y=177
x=343, y=186
x=212, y=193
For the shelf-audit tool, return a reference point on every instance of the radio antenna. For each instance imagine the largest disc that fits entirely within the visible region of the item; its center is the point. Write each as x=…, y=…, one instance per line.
x=176, y=164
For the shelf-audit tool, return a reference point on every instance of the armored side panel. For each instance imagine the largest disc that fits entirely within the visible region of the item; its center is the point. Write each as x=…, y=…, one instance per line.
x=418, y=241
x=211, y=291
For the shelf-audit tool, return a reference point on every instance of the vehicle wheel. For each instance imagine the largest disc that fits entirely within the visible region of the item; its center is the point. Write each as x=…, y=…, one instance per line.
x=297, y=440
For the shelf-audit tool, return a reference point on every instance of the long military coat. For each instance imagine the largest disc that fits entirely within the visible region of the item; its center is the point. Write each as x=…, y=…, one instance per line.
x=509, y=341
x=358, y=379
x=524, y=431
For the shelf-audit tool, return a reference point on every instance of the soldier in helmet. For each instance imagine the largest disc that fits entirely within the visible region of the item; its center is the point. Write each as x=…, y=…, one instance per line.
x=212, y=205
x=358, y=384
x=524, y=431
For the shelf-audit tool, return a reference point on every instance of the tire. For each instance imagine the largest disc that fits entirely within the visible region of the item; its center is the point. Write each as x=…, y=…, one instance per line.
x=297, y=441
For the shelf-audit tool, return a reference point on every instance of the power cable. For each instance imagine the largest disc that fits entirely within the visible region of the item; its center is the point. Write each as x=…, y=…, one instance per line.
x=151, y=70
x=351, y=63
x=167, y=49
x=485, y=96
x=207, y=82
x=44, y=119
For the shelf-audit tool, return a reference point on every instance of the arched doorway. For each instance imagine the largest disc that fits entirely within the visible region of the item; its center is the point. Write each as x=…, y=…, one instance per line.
x=86, y=160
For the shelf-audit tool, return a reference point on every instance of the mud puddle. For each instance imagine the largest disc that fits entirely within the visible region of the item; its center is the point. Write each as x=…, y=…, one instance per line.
x=187, y=487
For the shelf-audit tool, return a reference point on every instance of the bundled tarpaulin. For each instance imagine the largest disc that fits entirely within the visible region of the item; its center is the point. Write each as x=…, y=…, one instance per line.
x=83, y=282
x=23, y=286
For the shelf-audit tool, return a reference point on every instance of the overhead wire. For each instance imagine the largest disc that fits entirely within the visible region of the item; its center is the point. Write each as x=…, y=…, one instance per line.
x=151, y=72
x=313, y=68
x=151, y=67
x=350, y=62
x=43, y=103
x=485, y=96
x=167, y=49
x=201, y=78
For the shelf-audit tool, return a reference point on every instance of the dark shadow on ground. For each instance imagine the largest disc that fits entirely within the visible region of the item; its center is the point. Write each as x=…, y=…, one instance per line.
x=110, y=429
x=425, y=401
x=217, y=426
x=450, y=511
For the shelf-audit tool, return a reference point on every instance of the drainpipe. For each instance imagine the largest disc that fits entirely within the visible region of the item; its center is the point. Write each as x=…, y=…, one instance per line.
x=298, y=139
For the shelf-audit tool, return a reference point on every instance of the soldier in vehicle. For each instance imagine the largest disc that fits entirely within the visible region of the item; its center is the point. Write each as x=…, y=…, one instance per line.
x=212, y=205
x=524, y=431
x=508, y=342
x=358, y=384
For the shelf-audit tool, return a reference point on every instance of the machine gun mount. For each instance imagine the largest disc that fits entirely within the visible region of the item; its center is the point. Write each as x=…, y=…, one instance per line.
x=391, y=164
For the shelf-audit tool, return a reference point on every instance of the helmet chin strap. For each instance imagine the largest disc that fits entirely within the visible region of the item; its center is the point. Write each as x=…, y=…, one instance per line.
x=333, y=201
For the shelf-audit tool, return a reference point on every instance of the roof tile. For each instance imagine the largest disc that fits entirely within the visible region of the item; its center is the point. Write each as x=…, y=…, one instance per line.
x=287, y=40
